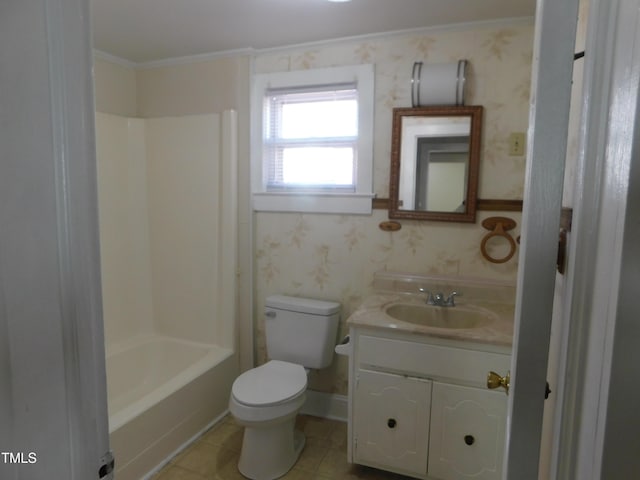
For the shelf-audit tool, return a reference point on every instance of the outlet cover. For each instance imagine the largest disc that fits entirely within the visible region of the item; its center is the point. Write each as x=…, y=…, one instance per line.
x=516, y=143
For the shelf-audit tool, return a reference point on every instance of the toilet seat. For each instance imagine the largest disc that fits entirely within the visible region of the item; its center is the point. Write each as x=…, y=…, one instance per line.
x=270, y=384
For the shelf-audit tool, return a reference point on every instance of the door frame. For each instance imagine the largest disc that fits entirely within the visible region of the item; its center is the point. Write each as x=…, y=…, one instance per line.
x=52, y=359
x=593, y=326
x=592, y=319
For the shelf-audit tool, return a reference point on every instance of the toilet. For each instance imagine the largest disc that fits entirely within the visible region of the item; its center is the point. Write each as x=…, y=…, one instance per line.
x=300, y=335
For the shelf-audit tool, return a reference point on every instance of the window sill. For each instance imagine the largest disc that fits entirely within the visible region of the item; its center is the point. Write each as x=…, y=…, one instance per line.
x=339, y=203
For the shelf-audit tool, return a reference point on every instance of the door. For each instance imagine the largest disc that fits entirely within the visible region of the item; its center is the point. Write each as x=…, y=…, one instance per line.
x=391, y=422
x=467, y=433
x=53, y=413
x=554, y=42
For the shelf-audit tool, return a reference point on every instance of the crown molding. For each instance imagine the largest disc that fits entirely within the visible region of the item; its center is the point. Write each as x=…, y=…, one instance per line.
x=199, y=58
x=452, y=27
x=107, y=57
x=249, y=51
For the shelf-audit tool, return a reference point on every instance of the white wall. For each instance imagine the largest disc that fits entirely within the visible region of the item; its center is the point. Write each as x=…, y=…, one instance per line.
x=115, y=87
x=193, y=88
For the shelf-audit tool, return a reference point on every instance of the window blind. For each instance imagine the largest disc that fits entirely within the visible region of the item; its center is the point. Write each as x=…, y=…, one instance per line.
x=311, y=137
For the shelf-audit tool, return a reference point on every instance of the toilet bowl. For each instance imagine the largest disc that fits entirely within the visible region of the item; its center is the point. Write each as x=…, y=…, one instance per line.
x=265, y=401
x=300, y=334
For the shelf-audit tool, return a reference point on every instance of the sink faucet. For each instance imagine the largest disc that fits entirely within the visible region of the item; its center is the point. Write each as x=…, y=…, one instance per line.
x=439, y=300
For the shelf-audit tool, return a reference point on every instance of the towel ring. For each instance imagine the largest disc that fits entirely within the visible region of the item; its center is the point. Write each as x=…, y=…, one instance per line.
x=499, y=227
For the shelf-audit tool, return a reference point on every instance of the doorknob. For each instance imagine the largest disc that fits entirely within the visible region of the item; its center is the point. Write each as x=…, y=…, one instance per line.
x=494, y=381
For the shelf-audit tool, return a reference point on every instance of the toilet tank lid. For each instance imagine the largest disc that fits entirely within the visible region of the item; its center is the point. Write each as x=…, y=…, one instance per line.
x=302, y=305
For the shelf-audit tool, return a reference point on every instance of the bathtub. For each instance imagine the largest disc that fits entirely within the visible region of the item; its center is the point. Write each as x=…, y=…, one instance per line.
x=162, y=392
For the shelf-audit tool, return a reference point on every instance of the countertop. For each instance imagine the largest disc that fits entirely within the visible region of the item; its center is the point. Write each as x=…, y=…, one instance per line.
x=499, y=332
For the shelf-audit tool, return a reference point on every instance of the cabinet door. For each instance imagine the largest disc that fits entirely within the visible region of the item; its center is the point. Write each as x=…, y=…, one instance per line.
x=467, y=433
x=391, y=422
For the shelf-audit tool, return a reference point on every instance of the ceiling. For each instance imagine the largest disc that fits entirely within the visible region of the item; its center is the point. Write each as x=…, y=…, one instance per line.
x=147, y=30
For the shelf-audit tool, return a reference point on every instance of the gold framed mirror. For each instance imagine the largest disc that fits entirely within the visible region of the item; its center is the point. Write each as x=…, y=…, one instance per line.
x=435, y=160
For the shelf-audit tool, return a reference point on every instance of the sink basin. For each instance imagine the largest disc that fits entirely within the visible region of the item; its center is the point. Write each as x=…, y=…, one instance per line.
x=440, y=317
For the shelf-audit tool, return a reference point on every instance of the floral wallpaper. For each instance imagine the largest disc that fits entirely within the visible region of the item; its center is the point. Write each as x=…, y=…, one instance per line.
x=335, y=256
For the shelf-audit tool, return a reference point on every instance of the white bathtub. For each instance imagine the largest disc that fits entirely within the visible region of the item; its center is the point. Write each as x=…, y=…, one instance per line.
x=162, y=392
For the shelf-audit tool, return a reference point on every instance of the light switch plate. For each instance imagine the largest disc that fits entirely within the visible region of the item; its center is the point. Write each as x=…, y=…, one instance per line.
x=516, y=143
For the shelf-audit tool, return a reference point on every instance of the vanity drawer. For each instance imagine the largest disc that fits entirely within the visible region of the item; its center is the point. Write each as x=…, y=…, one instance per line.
x=431, y=361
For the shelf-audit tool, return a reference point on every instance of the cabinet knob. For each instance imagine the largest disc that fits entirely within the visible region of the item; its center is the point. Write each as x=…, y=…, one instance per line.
x=469, y=440
x=391, y=423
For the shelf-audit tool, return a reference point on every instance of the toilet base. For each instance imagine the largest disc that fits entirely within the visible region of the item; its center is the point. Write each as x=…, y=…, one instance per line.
x=269, y=453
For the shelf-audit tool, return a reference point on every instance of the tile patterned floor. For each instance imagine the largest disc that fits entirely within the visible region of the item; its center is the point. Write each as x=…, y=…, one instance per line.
x=215, y=455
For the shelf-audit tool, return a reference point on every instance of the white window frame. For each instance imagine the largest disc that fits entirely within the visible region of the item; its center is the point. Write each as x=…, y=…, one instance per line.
x=312, y=200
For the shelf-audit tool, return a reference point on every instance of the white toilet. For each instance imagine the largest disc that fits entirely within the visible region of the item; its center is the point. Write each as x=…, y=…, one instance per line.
x=300, y=334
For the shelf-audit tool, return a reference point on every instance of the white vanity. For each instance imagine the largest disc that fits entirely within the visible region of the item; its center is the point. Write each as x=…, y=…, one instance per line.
x=418, y=398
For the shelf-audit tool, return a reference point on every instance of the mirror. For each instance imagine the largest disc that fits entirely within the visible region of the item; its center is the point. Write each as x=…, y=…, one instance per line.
x=435, y=159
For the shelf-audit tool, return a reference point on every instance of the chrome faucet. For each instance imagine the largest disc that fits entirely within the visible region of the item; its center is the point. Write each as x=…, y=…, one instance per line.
x=449, y=302
x=438, y=299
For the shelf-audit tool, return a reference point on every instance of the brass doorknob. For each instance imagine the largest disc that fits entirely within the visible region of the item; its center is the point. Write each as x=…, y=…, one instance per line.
x=494, y=381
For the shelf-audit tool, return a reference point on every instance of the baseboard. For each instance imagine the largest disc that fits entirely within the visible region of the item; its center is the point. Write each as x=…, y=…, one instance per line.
x=326, y=405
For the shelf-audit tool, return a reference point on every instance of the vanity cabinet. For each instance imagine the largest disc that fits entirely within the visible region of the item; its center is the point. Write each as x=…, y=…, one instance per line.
x=419, y=406
x=391, y=420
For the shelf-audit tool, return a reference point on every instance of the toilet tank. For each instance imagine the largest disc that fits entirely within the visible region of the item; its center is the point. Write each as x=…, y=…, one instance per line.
x=301, y=330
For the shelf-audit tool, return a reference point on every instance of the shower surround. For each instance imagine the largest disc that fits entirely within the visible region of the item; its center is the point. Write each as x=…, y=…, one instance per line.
x=168, y=245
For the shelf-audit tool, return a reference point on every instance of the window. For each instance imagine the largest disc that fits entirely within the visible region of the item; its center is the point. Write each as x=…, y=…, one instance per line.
x=312, y=144
x=311, y=138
